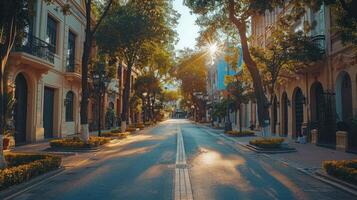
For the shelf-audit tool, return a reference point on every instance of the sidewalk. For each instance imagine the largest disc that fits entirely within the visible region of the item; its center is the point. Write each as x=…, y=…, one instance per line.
x=308, y=156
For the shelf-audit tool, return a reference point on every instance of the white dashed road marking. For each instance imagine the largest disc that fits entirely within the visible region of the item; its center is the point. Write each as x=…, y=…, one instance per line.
x=183, y=190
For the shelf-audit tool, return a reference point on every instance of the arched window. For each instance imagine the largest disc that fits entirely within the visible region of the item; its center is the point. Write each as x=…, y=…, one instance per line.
x=69, y=106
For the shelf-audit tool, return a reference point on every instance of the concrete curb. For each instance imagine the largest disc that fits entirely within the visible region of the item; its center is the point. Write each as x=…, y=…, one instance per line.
x=261, y=150
x=16, y=190
x=352, y=189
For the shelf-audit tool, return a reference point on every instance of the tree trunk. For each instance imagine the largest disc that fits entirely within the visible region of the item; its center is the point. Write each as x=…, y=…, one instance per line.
x=126, y=97
x=263, y=112
x=85, y=62
x=2, y=120
x=5, y=50
x=240, y=119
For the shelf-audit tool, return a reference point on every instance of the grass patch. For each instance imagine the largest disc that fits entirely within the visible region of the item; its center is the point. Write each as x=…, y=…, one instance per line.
x=77, y=143
x=241, y=134
x=269, y=143
x=345, y=170
x=23, y=167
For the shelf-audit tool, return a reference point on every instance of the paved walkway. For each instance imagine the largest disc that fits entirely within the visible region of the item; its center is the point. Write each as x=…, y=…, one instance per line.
x=308, y=156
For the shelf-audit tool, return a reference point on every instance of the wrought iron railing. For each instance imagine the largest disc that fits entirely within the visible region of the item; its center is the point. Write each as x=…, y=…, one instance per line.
x=73, y=66
x=319, y=41
x=37, y=47
x=70, y=65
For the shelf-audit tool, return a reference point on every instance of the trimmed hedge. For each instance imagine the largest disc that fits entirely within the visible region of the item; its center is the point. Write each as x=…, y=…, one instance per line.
x=241, y=134
x=345, y=170
x=23, y=167
x=76, y=142
x=270, y=143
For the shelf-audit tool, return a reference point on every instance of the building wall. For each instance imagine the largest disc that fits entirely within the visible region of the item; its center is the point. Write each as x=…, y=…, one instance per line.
x=338, y=60
x=40, y=73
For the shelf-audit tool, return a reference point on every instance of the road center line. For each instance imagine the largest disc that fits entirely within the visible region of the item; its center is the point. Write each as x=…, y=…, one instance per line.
x=183, y=189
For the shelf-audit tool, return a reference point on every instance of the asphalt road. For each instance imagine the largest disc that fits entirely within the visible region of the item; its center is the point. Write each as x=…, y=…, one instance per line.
x=143, y=166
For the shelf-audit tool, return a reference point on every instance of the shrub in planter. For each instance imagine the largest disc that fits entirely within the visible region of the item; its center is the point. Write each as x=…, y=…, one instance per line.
x=241, y=134
x=76, y=142
x=22, y=167
x=267, y=142
x=345, y=170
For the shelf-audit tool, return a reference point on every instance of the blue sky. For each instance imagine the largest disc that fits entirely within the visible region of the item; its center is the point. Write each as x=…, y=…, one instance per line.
x=187, y=29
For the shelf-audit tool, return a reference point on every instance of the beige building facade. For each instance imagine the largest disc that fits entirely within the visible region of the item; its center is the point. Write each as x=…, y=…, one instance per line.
x=45, y=73
x=322, y=100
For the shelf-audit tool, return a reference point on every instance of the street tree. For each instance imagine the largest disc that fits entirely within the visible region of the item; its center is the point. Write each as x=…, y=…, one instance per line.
x=102, y=8
x=147, y=88
x=132, y=32
x=229, y=15
x=191, y=71
x=239, y=93
x=287, y=51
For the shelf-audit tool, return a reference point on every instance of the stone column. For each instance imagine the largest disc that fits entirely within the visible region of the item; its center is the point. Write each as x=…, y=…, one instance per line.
x=341, y=140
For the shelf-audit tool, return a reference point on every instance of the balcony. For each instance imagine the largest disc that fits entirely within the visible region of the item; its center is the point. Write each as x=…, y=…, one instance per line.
x=37, y=47
x=319, y=41
x=73, y=71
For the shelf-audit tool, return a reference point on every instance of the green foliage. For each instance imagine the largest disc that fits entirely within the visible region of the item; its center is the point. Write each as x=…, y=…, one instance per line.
x=267, y=142
x=191, y=71
x=287, y=51
x=148, y=84
x=135, y=103
x=132, y=30
x=23, y=167
x=171, y=95
x=219, y=109
x=15, y=15
x=109, y=117
x=344, y=18
x=76, y=143
x=8, y=117
x=345, y=170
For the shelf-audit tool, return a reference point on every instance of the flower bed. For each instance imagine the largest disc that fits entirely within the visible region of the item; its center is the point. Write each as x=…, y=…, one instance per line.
x=22, y=167
x=116, y=135
x=77, y=143
x=345, y=170
x=270, y=143
x=241, y=134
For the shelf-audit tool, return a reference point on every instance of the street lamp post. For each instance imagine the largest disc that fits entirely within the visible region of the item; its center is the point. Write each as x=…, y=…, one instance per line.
x=144, y=105
x=100, y=83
